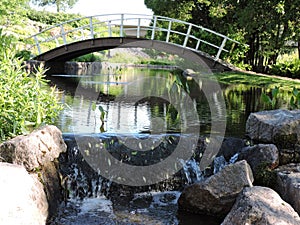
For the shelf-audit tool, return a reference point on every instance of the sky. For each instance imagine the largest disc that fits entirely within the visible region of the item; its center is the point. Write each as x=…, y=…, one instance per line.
x=97, y=7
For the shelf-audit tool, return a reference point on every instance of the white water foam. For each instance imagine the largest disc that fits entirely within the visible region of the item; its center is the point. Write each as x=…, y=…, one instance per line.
x=99, y=204
x=164, y=198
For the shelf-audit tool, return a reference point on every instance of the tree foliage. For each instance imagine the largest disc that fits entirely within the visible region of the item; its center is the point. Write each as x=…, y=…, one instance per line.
x=11, y=11
x=51, y=18
x=265, y=26
x=60, y=4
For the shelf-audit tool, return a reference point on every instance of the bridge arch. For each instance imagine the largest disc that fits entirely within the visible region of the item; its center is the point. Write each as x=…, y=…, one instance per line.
x=79, y=48
x=55, y=58
x=63, y=42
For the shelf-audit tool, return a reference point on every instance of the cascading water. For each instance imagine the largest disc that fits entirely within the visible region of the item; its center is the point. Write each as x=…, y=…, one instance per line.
x=93, y=199
x=234, y=158
x=219, y=163
x=192, y=171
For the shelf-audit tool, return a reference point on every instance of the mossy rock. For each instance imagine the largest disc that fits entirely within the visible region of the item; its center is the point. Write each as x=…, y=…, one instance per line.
x=265, y=176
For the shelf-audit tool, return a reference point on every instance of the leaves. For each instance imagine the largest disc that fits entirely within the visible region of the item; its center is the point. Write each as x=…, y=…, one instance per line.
x=271, y=100
x=265, y=28
x=11, y=11
x=60, y=4
x=275, y=92
x=294, y=99
x=265, y=98
x=99, y=114
x=26, y=101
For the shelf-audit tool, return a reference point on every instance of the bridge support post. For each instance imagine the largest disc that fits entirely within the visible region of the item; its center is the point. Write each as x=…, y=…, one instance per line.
x=221, y=48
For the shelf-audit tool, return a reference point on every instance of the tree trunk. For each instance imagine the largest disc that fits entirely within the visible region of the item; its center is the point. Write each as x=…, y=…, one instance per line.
x=299, y=49
x=250, y=54
x=57, y=5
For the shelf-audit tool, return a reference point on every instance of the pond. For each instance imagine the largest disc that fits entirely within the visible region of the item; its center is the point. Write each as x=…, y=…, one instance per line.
x=156, y=108
x=84, y=94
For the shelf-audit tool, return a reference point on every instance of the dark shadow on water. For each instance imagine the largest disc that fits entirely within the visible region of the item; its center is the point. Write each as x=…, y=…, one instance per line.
x=186, y=218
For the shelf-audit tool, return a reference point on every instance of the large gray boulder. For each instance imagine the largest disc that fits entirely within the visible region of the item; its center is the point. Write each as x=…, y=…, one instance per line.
x=38, y=152
x=280, y=127
x=274, y=126
x=216, y=195
x=261, y=205
x=262, y=158
x=288, y=184
x=23, y=200
x=260, y=155
x=35, y=149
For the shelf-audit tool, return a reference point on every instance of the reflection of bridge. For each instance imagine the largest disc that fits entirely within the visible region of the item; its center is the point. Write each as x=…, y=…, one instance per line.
x=80, y=36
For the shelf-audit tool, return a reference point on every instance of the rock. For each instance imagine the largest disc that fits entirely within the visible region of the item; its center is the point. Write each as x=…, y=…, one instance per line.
x=38, y=152
x=280, y=127
x=35, y=149
x=288, y=184
x=261, y=205
x=260, y=154
x=216, y=195
x=230, y=146
x=23, y=200
x=291, y=155
x=262, y=158
x=274, y=126
x=50, y=177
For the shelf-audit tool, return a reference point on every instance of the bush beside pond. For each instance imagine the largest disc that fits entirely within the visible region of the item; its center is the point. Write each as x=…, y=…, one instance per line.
x=287, y=69
x=26, y=101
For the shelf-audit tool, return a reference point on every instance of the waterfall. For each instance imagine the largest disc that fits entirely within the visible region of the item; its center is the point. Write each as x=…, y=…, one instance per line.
x=234, y=158
x=191, y=171
x=219, y=163
x=93, y=199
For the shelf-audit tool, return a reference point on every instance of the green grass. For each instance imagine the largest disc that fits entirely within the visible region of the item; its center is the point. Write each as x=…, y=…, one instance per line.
x=256, y=80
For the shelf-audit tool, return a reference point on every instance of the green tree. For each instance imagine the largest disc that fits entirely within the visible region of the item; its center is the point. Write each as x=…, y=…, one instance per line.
x=60, y=4
x=195, y=11
x=205, y=13
x=11, y=11
x=265, y=26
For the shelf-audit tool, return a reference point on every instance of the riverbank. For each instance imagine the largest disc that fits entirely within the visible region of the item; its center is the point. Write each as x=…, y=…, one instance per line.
x=268, y=75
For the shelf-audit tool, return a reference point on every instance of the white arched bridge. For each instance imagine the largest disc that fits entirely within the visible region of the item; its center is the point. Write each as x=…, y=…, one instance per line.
x=77, y=37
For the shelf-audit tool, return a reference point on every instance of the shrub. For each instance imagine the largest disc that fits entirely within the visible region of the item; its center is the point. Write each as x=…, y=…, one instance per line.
x=158, y=62
x=26, y=102
x=287, y=69
x=91, y=57
x=52, y=18
x=124, y=58
x=24, y=54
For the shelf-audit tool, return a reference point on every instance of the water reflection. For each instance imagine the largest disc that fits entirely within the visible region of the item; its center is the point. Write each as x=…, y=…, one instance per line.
x=121, y=93
x=241, y=100
x=132, y=102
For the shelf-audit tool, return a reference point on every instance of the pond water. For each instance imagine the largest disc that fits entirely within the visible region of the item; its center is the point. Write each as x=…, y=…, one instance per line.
x=107, y=89
x=125, y=102
x=83, y=94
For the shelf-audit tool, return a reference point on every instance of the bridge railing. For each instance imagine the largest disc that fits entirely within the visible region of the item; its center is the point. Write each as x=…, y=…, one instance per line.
x=181, y=33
